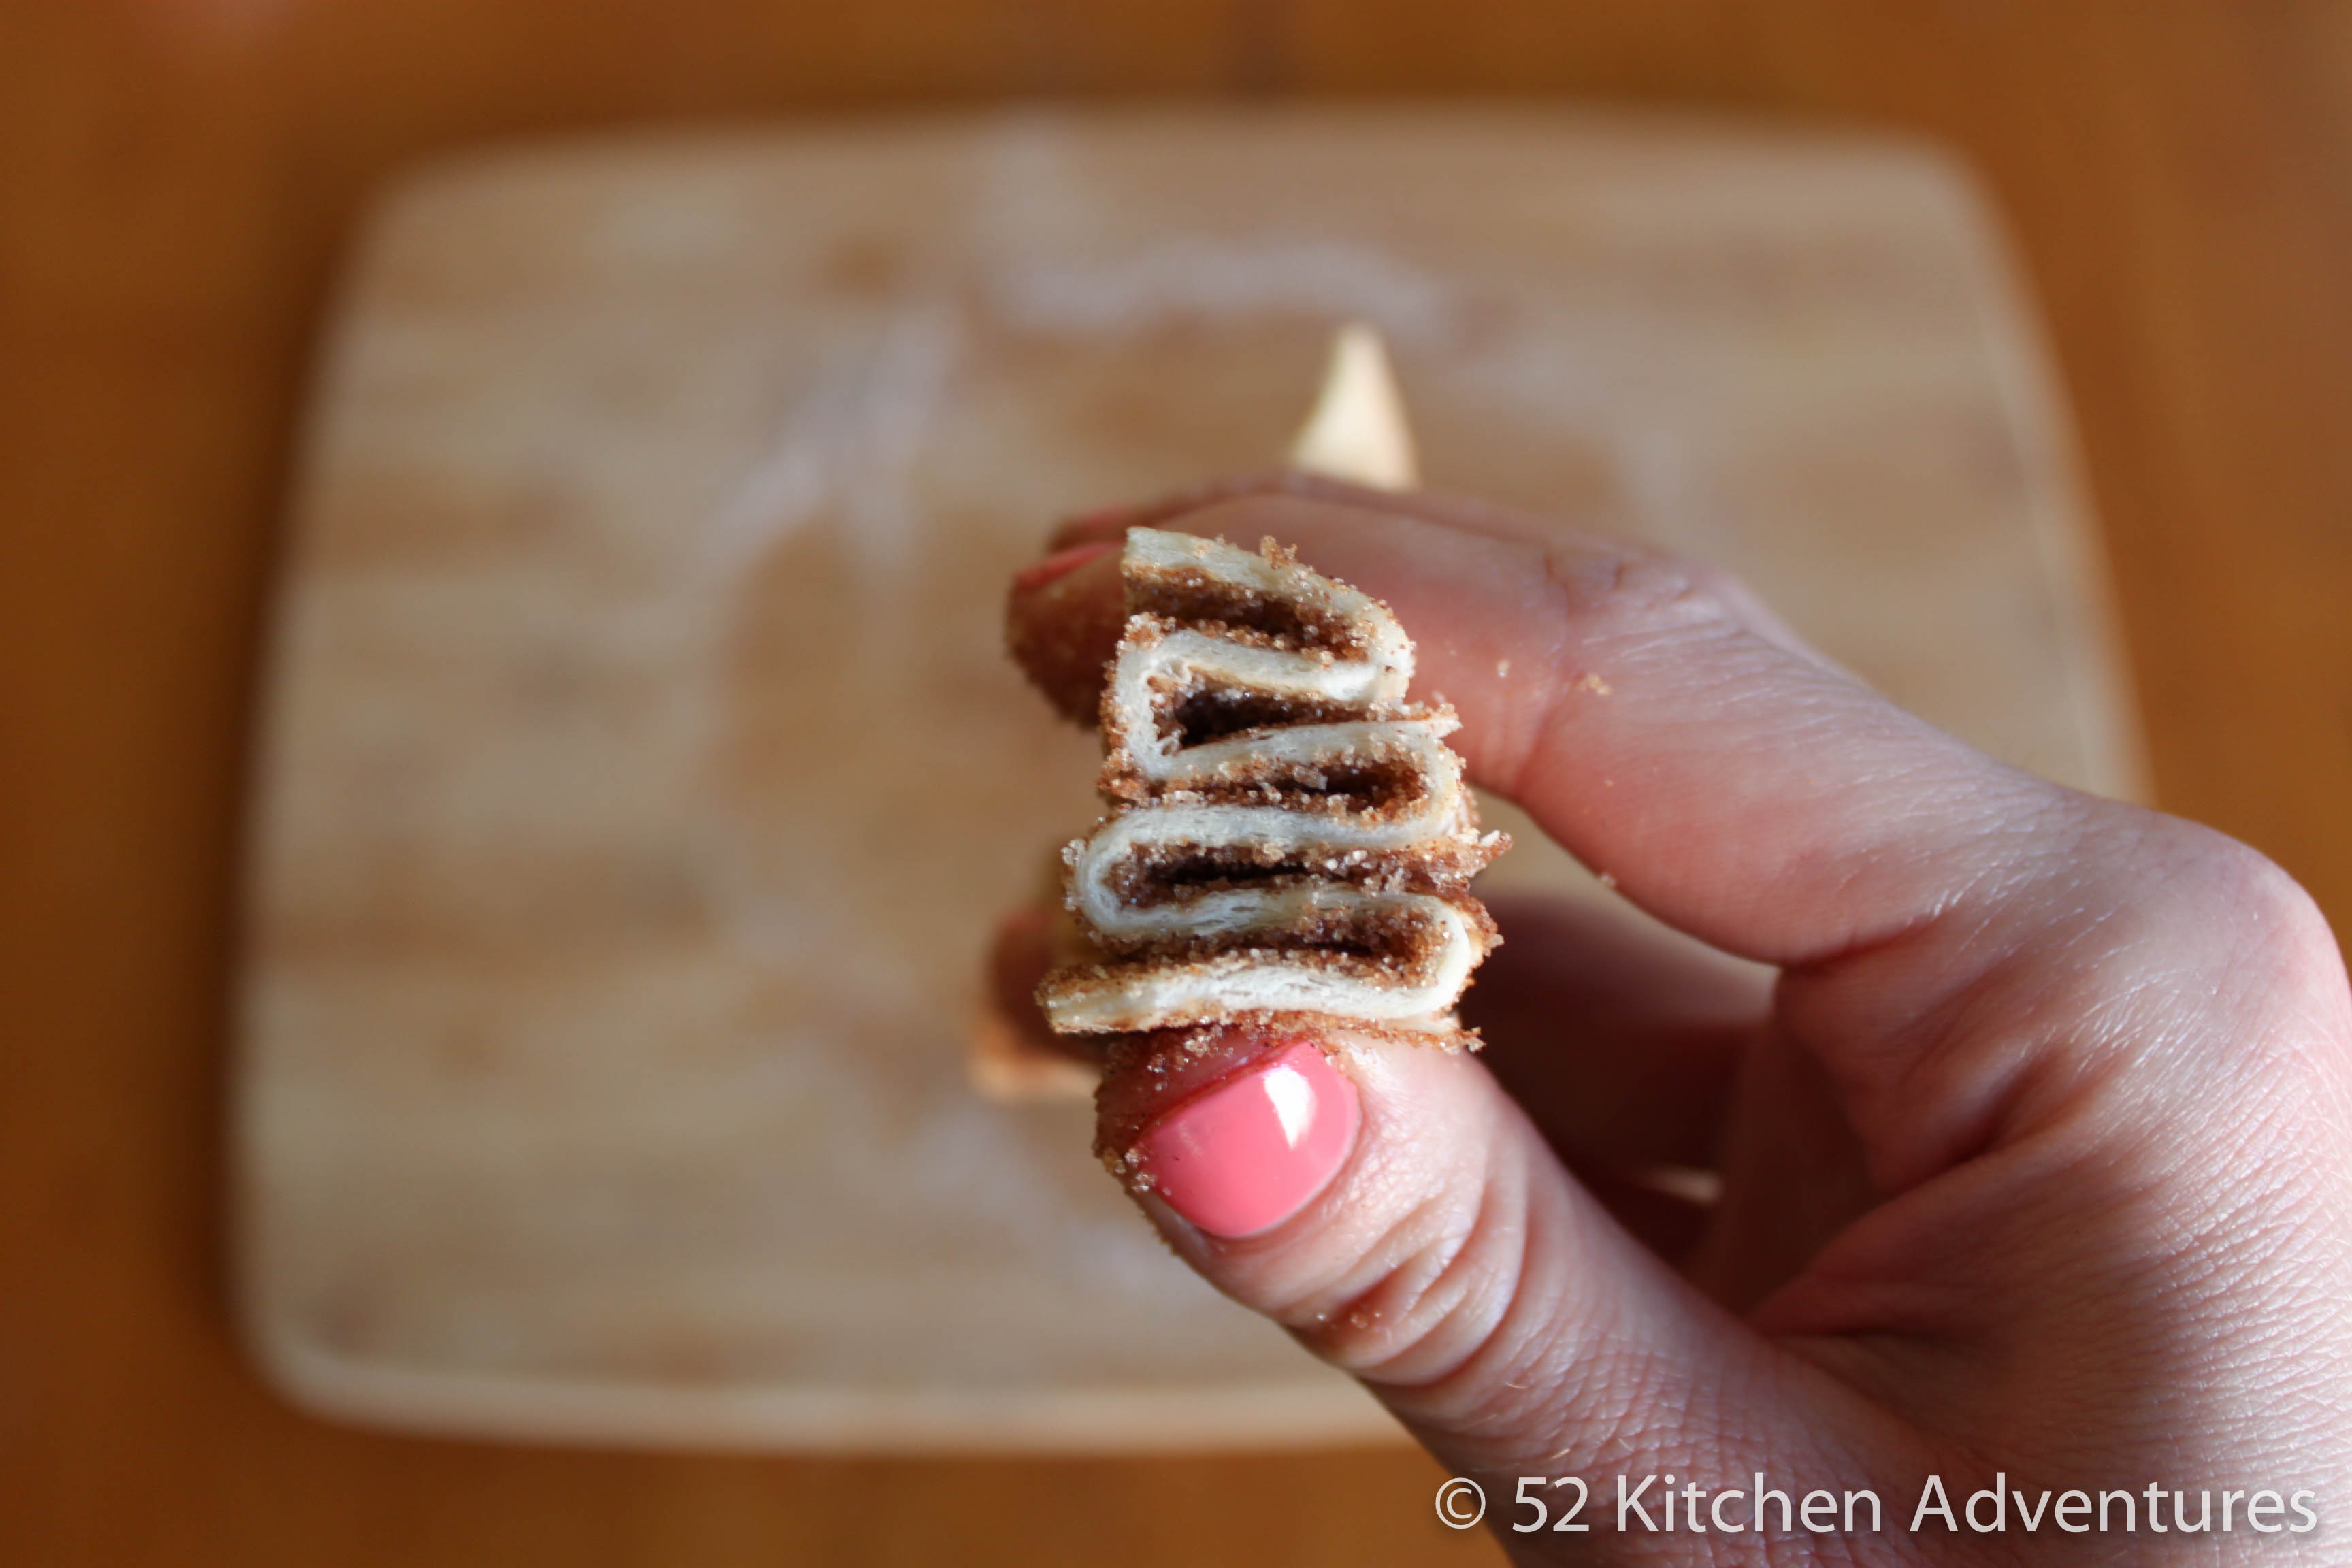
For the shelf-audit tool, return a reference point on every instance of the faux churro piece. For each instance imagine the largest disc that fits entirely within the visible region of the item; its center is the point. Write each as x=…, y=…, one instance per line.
x=1358, y=431
x=1289, y=837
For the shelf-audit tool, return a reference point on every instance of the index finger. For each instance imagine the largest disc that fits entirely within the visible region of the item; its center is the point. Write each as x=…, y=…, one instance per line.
x=1636, y=706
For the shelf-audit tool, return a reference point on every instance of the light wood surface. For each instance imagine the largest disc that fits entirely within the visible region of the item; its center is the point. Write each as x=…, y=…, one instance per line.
x=642, y=770
x=175, y=184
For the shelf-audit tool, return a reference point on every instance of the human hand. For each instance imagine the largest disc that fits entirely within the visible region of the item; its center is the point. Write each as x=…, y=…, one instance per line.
x=2035, y=1154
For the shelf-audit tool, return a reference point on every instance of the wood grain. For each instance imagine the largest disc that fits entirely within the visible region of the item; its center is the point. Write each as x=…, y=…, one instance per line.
x=174, y=181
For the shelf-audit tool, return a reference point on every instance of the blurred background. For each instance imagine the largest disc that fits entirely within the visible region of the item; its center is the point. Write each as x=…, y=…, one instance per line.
x=179, y=187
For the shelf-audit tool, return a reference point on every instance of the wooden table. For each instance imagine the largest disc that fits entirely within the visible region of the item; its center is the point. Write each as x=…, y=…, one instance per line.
x=175, y=180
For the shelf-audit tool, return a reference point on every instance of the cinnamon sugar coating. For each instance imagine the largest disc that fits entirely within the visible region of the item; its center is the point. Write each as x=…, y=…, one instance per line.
x=1290, y=841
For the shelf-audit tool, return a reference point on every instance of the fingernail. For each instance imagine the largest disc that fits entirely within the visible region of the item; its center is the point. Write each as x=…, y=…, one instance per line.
x=1247, y=1153
x=1060, y=564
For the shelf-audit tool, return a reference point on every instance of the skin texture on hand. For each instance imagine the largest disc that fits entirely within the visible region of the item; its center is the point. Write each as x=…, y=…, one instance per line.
x=2031, y=1111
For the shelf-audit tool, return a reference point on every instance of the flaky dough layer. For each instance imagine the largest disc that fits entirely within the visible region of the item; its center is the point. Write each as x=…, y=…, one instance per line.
x=1289, y=839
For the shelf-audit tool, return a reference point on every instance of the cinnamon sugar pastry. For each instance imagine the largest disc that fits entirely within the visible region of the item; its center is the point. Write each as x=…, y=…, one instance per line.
x=1290, y=837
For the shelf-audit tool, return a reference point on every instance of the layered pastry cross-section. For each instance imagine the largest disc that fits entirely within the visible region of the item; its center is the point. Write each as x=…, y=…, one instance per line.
x=1289, y=837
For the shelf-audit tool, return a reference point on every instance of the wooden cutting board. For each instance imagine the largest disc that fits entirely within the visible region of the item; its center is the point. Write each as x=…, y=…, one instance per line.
x=641, y=771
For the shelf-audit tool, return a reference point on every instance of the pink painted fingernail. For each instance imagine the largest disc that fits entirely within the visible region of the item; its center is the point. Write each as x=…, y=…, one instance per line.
x=1060, y=564
x=1249, y=1153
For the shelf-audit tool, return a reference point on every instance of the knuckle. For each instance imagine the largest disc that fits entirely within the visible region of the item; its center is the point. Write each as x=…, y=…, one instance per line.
x=1627, y=583
x=2217, y=944
x=1657, y=607
x=2266, y=896
x=2221, y=884
x=1449, y=1273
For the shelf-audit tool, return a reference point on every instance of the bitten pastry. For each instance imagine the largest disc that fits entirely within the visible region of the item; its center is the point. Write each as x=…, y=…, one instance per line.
x=1290, y=837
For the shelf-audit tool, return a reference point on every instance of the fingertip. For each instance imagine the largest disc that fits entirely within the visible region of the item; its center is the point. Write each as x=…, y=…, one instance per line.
x=1239, y=1156
x=1111, y=522
x=1060, y=564
x=1062, y=621
x=1146, y=1075
x=1102, y=526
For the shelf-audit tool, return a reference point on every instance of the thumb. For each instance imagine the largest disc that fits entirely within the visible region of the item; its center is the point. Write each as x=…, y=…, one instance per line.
x=1396, y=1211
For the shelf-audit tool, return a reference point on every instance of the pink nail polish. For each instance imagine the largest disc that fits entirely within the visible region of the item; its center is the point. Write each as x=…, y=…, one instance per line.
x=1249, y=1153
x=1060, y=564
